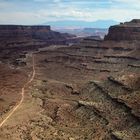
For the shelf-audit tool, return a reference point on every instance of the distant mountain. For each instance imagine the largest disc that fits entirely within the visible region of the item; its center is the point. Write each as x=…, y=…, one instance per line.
x=84, y=32
x=82, y=24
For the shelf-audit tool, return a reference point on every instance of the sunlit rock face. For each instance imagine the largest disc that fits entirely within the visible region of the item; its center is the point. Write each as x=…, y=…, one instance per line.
x=125, y=31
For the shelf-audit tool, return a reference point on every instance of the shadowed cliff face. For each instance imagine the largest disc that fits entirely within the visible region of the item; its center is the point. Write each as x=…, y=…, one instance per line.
x=15, y=39
x=125, y=31
x=16, y=35
x=17, y=31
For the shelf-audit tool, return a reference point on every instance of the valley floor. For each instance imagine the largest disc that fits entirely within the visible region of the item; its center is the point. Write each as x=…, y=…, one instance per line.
x=77, y=93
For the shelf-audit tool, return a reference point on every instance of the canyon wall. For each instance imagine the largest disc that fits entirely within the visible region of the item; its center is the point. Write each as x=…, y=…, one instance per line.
x=18, y=36
x=18, y=31
x=125, y=31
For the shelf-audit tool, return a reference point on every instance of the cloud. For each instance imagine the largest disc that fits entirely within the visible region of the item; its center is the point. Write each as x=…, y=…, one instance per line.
x=52, y=1
x=129, y=3
x=40, y=11
x=18, y=18
x=91, y=15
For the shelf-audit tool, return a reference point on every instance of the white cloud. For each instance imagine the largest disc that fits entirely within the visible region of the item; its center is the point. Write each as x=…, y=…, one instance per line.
x=63, y=11
x=52, y=1
x=18, y=18
x=6, y=5
x=92, y=15
x=130, y=3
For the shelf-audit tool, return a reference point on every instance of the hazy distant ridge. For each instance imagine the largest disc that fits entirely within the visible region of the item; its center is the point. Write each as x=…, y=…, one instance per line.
x=82, y=24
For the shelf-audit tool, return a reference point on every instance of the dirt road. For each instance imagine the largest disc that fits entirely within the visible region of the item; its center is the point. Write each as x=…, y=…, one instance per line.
x=22, y=94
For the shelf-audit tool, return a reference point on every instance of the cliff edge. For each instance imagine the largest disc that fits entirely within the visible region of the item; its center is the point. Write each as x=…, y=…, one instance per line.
x=125, y=31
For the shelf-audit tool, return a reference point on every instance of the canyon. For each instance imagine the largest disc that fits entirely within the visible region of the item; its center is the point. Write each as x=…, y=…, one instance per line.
x=89, y=90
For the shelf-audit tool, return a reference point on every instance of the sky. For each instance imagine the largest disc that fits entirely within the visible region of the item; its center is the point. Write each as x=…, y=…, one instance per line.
x=40, y=11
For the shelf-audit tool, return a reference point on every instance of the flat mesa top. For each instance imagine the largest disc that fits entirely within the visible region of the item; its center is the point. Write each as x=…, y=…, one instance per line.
x=13, y=27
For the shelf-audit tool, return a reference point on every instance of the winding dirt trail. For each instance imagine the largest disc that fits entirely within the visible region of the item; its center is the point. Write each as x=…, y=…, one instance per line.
x=22, y=93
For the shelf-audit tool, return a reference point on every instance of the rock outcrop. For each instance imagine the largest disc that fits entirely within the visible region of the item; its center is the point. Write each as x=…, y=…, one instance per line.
x=17, y=39
x=19, y=36
x=125, y=31
x=18, y=31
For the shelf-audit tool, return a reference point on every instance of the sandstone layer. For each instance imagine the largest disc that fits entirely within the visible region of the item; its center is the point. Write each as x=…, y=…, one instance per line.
x=125, y=31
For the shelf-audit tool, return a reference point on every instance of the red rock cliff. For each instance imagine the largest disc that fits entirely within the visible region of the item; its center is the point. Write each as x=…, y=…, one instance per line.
x=125, y=31
x=18, y=31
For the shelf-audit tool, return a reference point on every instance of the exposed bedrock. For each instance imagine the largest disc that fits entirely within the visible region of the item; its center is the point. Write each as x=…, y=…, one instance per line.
x=20, y=36
x=125, y=31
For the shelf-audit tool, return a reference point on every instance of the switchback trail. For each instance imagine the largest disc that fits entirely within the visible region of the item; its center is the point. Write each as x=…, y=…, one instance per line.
x=22, y=93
